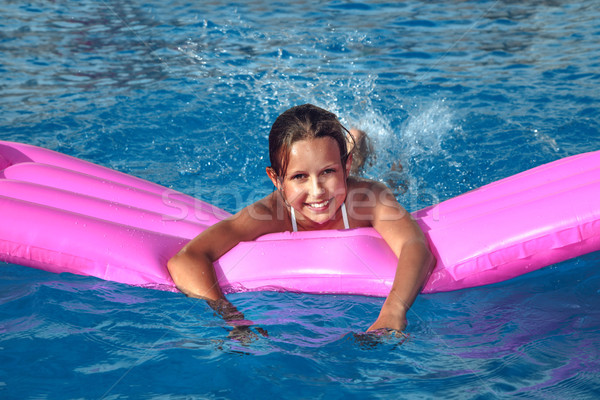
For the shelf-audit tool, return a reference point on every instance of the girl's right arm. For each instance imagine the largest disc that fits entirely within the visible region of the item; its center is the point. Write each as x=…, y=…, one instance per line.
x=192, y=268
x=193, y=271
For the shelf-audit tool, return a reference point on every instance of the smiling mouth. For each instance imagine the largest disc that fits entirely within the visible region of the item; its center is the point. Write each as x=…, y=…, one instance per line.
x=319, y=206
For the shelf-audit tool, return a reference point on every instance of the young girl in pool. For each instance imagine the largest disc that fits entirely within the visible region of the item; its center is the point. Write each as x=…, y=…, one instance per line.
x=310, y=166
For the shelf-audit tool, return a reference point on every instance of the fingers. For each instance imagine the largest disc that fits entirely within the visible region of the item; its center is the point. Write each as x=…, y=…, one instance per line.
x=388, y=332
x=245, y=335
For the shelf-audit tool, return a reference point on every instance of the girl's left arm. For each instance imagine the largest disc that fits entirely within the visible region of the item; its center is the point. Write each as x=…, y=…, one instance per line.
x=415, y=260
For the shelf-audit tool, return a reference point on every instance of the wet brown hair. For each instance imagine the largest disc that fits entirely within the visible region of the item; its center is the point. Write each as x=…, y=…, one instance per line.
x=299, y=123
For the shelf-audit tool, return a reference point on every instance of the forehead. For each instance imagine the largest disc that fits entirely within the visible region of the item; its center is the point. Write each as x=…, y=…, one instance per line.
x=317, y=150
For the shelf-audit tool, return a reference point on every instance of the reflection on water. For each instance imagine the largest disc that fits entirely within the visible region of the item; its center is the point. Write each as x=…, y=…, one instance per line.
x=74, y=49
x=65, y=48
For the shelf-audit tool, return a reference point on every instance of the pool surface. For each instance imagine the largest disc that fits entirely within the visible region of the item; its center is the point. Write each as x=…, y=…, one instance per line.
x=460, y=93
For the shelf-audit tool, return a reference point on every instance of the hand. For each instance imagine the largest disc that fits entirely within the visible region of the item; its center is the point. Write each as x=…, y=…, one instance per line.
x=389, y=319
x=241, y=327
x=375, y=337
x=245, y=335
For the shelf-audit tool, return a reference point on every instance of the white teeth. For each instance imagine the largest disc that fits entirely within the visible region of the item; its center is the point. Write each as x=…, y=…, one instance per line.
x=319, y=205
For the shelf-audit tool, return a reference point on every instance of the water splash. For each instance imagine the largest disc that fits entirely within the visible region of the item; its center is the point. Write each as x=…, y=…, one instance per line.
x=424, y=132
x=409, y=158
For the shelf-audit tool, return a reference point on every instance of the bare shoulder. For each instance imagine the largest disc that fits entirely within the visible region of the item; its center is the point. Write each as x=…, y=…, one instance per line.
x=252, y=221
x=266, y=215
x=369, y=202
x=387, y=216
x=370, y=193
x=372, y=203
x=362, y=186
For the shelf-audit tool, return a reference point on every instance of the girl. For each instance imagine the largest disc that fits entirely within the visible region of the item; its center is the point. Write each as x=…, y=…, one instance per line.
x=310, y=166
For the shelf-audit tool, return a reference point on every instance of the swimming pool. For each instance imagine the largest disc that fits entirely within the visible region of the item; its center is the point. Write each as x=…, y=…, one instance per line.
x=183, y=94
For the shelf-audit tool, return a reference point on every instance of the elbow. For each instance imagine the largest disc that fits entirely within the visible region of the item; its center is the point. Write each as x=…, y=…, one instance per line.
x=182, y=267
x=193, y=275
x=174, y=267
x=177, y=267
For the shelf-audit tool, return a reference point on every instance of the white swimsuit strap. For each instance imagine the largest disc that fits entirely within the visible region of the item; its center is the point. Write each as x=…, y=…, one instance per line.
x=294, y=224
x=344, y=217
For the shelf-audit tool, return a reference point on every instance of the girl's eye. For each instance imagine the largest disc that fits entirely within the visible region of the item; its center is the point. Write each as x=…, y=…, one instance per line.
x=298, y=176
x=328, y=171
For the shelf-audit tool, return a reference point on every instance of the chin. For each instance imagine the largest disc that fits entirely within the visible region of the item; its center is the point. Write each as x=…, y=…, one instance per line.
x=319, y=219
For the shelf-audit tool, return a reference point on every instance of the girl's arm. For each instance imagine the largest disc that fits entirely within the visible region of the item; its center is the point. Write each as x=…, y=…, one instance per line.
x=415, y=260
x=192, y=267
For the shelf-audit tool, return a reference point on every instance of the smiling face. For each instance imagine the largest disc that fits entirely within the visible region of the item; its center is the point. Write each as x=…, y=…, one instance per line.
x=315, y=182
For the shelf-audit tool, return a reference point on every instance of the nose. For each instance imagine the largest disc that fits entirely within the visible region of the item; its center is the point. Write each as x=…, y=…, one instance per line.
x=316, y=187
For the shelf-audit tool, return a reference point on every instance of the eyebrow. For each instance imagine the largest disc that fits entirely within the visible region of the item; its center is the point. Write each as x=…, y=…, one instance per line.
x=302, y=171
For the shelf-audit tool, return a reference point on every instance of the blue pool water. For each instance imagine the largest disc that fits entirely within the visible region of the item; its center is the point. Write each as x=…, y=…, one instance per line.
x=462, y=93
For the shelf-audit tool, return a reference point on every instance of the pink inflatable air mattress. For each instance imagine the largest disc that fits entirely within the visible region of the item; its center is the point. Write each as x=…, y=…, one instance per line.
x=62, y=214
